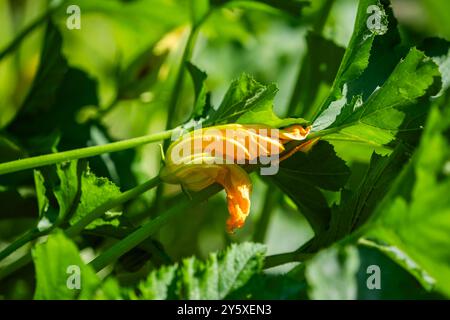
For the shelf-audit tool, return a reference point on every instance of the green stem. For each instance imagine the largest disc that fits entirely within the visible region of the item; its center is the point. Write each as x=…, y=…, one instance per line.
x=158, y=256
x=28, y=30
x=146, y=230
x=39, y=161
x=23, y=240
x=283, y=258
x=16, y=265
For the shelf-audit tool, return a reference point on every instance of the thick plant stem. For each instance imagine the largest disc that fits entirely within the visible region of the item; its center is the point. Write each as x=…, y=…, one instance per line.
x=77, y=227
x=23, y=240
x=14, y=44
x=146, y=230
x=16, y=265
x=283, y=258
x=39, y=161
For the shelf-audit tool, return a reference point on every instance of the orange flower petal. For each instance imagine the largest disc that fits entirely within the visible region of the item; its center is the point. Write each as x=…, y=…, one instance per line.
x=197, y=166
x=238, y=187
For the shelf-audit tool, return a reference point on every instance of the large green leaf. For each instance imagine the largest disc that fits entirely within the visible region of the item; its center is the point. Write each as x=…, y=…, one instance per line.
x=357, y=206
x=57, y=263
x=214, y=278
x=412, y=223
x=377, y=120
x=376, y=92
x=370, y=275
x=303, y=175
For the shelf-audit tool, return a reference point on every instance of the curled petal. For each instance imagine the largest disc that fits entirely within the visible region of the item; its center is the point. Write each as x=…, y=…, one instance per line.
x=238, y=187
x=295, y=132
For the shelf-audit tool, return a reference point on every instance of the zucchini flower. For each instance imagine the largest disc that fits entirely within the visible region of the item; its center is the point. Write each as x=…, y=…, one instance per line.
x=213, y=155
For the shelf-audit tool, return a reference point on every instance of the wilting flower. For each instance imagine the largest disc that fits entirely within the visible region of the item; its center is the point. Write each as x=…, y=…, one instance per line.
x=213, y=155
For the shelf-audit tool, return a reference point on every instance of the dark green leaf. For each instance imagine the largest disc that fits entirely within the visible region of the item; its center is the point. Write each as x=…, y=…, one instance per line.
x=215, y=278
x=301, y=176
x=202, y=98
x=412, y=223
x=357, y=206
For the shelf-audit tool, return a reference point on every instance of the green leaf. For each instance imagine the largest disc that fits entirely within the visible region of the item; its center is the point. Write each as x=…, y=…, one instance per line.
x=77, y=192
x=376, y=93
x=412, y=223
x=67, y=192
x=42, y=200
x=249, y=102
x=61, y=184
x=202, y=98
x=378, y=120
x=214, y=278
x=394, y=281
x=357, y=206
x=57, y=94
x=57, y=263
x=301, y=176
x=94, y=192
x=331, y=274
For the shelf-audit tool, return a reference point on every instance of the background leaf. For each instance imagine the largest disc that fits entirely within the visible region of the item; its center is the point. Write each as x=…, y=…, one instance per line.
x=51, y=260
x=413, y=220
x=215, y=278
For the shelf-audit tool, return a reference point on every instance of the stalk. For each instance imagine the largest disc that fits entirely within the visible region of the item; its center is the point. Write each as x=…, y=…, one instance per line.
x=39, y=161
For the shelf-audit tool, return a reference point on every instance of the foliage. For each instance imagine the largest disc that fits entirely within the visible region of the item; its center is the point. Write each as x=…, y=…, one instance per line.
x=79, y=110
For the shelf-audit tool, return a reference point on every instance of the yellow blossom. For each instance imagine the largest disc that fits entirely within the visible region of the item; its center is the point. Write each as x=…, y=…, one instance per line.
x=213, y=155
